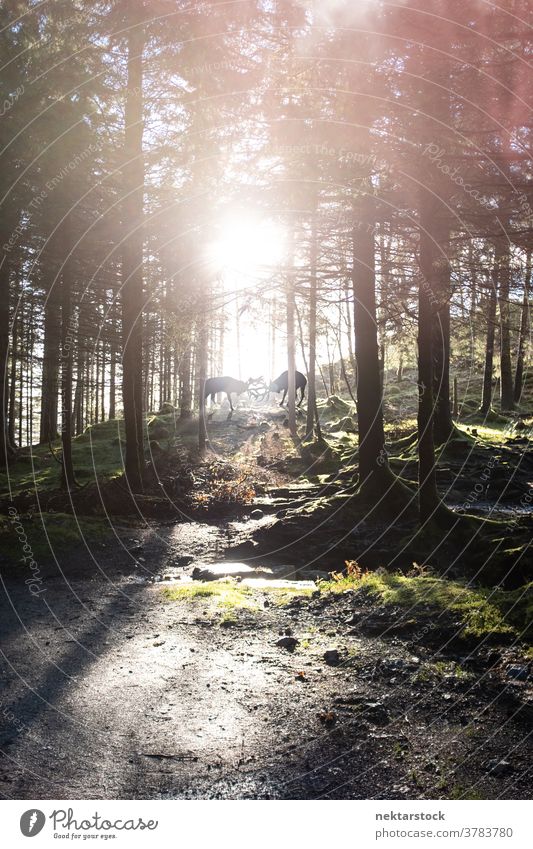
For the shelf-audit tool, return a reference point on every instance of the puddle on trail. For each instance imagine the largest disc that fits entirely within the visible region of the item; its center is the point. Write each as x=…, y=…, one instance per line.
x=173, y=553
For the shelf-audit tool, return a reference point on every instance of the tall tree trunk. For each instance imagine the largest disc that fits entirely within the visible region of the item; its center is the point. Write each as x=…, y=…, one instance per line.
x=291, y=341
x=113, y=361
x=443, y=422
x=311, y=372
x=97, y=382
x=349, y=307
x=238, y=337
x=7, y=449
x=428, y=292
x=382, y=311
x=202, y=356
x=185, y=384
x=372, y=457
x=273, y=319
x=78, y=395
x=17, y=331
x=132, y=255
x=486, y=394
x=522, y=338
x=67, y=283
x=50, y=375
x=506, y=368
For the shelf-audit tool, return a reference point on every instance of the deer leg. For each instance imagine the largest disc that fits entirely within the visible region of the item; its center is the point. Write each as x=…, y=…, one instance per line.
x=283, y=399
x=228, y=395
x=301, y=396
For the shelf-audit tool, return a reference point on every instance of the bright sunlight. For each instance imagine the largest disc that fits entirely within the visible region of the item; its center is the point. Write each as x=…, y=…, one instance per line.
x=246, y=246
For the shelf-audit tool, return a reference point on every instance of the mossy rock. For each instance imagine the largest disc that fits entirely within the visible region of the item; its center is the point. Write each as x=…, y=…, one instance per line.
x=159, y=432
x=339, y=404
x=167, y=408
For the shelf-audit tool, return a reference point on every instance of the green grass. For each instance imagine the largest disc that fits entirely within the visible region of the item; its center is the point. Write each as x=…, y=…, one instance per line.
x=49, y=533
x=97, y=454
x=225, y=594
x=280, y=596
x=460, y=791
x=482, y=611
x=230, y=595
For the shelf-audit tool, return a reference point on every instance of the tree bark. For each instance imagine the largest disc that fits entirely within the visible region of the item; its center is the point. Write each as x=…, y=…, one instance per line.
x=202, y=370
x=6, y=448
x=291, y=342
x=185, y=384
x=67, y=282
x=428, y=499
x=443, y=422
x=486, y=396
x=50, y=374
x=522, y=337
x=372, y=457
x=506, y=369
x=311, y=371
x=132, y=256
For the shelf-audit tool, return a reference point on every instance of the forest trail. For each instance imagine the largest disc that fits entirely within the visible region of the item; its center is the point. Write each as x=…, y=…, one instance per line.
x=113, y=690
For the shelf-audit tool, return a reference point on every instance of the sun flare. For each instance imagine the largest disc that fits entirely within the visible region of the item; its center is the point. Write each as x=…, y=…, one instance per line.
x=248, y=246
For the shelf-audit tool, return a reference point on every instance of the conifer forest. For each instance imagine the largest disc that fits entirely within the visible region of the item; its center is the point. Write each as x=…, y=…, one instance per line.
x=266, y=412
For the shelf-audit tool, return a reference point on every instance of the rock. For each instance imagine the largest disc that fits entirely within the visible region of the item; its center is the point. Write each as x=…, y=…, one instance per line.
x=518, y=673
x=256, y=514
x=288, y=643
x=183, y=559
x=399, y=665
x=499, y=768
x=352, y=620
x=332, y=657
x=376, y=713
x=203, y=575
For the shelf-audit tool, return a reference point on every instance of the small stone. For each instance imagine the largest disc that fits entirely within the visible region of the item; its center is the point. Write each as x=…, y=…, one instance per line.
x=288, y=643
x=431, y=766
x=332, y=657
x=183, y=559
x=499, y=768
x=352, y=620
x=517, y=673
x=376, y=713
x=203, y=574
x=256, y=514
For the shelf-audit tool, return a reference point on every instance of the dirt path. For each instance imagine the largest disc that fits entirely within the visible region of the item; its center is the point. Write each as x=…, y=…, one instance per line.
x=111, y=690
